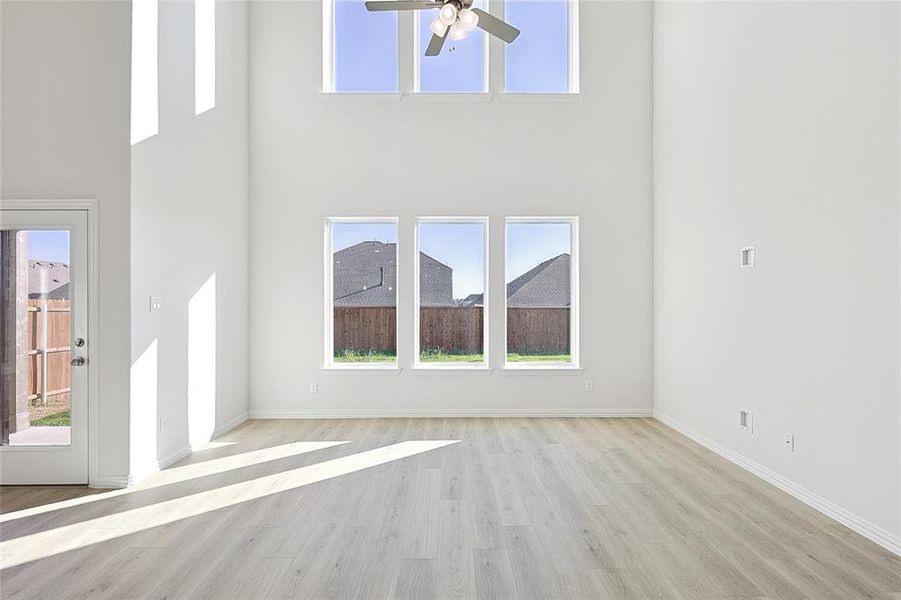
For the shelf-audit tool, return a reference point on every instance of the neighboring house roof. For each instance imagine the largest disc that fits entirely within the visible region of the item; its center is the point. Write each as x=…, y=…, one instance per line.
x=57, y=279
x=471, y=300
x=545, y=286
x=365, y=274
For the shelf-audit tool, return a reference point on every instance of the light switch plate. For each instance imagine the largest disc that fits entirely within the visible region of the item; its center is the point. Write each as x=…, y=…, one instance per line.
x=156, y=304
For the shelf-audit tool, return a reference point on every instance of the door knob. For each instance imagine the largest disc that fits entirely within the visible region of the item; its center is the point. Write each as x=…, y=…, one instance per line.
x=78, y=361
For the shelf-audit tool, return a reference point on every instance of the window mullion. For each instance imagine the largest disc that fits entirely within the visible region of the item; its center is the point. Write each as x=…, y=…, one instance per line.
x=406, y=60
x=495, y=51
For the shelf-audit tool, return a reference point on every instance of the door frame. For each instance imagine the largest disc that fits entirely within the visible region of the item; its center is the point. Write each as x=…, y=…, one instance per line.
x=90, y=207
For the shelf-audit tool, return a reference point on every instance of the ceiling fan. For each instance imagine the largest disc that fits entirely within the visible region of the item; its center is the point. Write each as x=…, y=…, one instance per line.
x=454, y=16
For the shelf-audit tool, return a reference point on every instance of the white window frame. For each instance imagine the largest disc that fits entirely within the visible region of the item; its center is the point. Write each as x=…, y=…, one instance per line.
x=408, y=79
x=328, y=361
x=483, y=221
x=574, y=290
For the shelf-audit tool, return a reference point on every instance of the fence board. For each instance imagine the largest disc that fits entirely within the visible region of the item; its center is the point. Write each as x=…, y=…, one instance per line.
x=451, y=328
x=529, y=330
x=538, y=330
x=58, y=336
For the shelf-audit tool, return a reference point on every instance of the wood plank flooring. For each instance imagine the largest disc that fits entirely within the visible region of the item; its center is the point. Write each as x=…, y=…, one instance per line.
x=438, y=508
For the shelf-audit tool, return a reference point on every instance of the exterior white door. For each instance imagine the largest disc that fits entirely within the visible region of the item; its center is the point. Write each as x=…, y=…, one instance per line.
x=44, y=348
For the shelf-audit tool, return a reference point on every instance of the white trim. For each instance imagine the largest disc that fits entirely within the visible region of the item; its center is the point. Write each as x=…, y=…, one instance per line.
x=328, y=341
x=110, y=483
x=484, y=222
x=872, y=532
x=572, y=73
x=328, y=47
x=574, y=290
x=450, y=413
x=226, y=427
x=173, y=457
x=91, y=206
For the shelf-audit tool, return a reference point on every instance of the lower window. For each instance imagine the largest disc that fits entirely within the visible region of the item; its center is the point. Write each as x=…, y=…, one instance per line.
x=542, y=292
x=362, y=299
x=451, y=281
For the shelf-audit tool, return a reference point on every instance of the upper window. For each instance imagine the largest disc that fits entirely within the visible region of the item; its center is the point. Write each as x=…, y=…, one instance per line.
x=461, y=66
x=542, y=292
x=361, y=307
x=204, y=55
x=544, y=58
x=361, y=49
x=361, y=52
x=451, y=278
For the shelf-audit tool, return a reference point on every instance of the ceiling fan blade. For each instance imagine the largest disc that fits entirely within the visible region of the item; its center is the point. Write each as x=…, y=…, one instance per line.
x=378, y=5
x=495, y=26
x=436, y=43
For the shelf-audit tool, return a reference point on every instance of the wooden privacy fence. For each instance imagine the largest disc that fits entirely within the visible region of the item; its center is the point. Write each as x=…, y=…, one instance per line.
x=451, y=328
x=365, y=328
x=529, y=330
x=538, y=330
x=57, y=352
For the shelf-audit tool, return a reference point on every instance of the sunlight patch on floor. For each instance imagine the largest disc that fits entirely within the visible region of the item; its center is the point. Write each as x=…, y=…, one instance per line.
x=43, y=544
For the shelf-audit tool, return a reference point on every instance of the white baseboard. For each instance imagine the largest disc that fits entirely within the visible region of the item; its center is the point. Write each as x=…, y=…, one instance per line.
x=873, y=532
x=173, y=458
x=111, y=482
x=449, y=413
x=220, y=431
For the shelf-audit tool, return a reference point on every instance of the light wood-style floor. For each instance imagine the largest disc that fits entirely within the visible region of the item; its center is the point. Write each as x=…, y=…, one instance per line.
x=440, y=508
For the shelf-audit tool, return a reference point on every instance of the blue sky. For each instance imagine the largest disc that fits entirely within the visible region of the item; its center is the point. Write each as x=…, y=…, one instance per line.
x=529, y=244
x=460, y=246
x=537, y=61
x=50, y=245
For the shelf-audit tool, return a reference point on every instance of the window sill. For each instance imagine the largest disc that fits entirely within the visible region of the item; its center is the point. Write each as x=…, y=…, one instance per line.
x=562, y=368
x=445, y=97
x=456, y=368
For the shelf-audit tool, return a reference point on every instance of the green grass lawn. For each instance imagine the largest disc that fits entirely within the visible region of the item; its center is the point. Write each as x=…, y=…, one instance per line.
x=60, y=419
x=513, y=357
x=364, y=356
x=439, y=356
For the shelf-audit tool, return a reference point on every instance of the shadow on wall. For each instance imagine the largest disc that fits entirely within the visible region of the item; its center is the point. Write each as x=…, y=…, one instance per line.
x=144, y=398
x=202, y=364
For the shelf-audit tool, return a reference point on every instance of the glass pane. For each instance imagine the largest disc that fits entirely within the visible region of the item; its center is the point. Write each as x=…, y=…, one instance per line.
x=451, y=292
x=538, y=60
x=461, y=65
x=364, y=259
x=538, y=292
x=35, y=321
x=365, y=48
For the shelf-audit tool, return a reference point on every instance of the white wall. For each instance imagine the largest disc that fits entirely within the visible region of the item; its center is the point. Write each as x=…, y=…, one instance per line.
x=65, y=116
x=776, y=125
x=189, y=223
x=314, y=156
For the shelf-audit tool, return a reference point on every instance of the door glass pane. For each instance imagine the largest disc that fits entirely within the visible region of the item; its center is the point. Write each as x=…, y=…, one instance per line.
x=538, y=292
x=364, y=273
x=35, y=322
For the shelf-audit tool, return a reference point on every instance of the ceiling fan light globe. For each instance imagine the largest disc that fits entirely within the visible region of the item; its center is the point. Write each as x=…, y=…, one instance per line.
x=458, y=33
x=468, y=19
x=438, y=28
x=448, y=14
